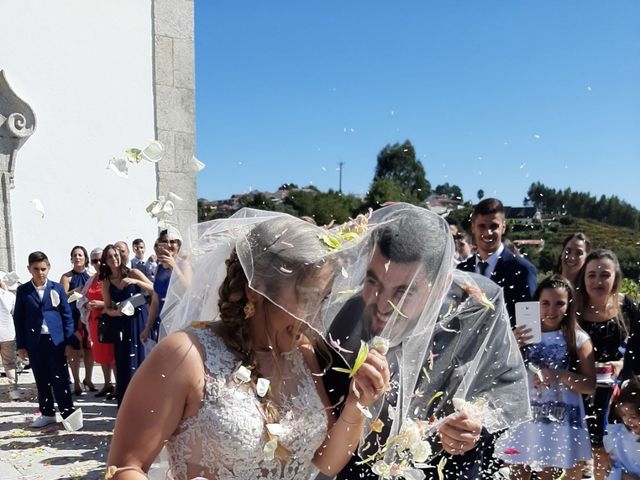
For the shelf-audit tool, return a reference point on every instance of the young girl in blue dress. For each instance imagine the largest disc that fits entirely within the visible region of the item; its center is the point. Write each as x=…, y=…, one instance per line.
x=561, y=368
x=622, y=440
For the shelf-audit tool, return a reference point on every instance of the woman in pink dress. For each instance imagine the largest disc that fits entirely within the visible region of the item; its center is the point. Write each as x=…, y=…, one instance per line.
x=102, y=352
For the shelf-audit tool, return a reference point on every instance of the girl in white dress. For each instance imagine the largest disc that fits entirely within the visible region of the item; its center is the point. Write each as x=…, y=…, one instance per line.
x=561, y=369
x=242, y=397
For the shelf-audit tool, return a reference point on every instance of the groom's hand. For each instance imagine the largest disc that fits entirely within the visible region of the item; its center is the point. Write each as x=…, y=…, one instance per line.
x=459, y=433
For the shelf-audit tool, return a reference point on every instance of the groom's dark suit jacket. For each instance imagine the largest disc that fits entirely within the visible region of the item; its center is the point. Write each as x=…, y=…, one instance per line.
x=516, y=275
x=454, y=348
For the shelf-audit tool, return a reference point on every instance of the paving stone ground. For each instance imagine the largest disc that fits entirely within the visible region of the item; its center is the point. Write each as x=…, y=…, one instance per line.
x=53, y=453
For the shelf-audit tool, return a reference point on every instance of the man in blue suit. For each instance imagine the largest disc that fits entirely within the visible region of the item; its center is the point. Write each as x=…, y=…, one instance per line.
x=515, y=274
x=45, y=333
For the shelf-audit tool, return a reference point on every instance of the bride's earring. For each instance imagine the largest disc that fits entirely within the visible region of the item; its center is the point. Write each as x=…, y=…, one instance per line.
x=249, y=310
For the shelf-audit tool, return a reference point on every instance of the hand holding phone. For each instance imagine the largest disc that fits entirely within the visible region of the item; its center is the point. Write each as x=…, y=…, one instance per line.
x=528, y=315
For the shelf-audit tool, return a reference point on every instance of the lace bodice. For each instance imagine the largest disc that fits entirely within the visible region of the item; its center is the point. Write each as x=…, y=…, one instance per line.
x=226, y=438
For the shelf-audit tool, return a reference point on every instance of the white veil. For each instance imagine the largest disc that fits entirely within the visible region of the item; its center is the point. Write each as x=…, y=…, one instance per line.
x=274, y=250
x=455, y=344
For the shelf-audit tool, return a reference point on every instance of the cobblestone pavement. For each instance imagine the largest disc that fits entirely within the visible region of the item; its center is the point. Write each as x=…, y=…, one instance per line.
x=52, y=452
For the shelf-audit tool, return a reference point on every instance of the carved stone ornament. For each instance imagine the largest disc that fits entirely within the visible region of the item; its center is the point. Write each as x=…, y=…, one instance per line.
x=17, y=124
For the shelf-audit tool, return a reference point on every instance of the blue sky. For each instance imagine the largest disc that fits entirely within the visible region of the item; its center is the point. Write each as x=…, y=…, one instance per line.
x=492, y=94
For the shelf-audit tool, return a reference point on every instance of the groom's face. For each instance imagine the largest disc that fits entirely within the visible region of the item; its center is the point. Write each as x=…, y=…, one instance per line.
x=391, y=284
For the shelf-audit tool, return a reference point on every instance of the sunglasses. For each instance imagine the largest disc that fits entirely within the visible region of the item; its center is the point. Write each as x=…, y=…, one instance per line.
x=95, y=260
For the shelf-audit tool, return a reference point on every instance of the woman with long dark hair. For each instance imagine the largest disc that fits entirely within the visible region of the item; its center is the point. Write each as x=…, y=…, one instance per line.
x=73, y=282
x=607, y=316
x=120, y=285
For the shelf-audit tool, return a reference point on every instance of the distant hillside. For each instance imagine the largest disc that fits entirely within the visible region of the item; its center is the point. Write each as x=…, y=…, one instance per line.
x=623, y=241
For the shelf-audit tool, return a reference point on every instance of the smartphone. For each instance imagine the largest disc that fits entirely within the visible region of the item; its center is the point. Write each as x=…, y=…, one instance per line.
x=528, y=315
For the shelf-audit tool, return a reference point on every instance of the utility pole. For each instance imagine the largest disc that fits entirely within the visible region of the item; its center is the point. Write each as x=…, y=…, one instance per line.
x=340, y=164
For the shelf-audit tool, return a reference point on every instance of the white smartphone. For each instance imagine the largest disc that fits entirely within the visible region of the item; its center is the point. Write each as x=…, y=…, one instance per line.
x=528, y=315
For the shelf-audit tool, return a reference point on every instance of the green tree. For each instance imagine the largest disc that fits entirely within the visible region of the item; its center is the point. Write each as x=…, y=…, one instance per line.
x=398, y=163
x=257, y=200
x=452, y=191
x=302, y=202
x=388, y=190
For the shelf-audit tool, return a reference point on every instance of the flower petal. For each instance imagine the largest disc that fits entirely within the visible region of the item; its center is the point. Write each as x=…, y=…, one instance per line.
x=55, y=298
x=153, y=152
x=38, y=206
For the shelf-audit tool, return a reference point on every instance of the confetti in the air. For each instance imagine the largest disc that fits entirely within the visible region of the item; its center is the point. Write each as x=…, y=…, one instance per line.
x=119, y=167
x=38, y=206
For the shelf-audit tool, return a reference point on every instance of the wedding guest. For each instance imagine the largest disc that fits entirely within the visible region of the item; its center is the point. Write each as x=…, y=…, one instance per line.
x=622, y=441
x=148, y=266
x=464, y=249
x=73, y=282
x=123, y=251
x=167, y=247
x=8, y=340
x=45, y=334
x=606, y=316
x=575, y=249
x=92, y=308
x=561, y=368
x=515, y=274
x=119, y=285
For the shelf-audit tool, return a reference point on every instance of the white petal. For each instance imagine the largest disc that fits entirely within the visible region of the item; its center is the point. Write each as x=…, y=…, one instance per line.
x=55, y=298
x=119, y=167
x=75, y=296
x=262, y=386
x=127, y=308
x=275, y=429
x=420, y=451
x=174, y=198
x=380, y=344
x=197, y=164
x=168, y=207
x=153, y=152
x=242, y=374
x=38, y=206
x=10, y=279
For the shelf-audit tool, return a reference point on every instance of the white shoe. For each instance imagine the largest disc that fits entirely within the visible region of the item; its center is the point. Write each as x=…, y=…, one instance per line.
x=16, y=395
x=43, y=421
x=587, y=472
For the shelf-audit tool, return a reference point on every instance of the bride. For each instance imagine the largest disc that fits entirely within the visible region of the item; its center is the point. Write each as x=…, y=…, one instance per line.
x=242, y=396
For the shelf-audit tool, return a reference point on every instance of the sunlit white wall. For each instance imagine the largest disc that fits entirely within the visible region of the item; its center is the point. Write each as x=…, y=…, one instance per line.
x=85, y=68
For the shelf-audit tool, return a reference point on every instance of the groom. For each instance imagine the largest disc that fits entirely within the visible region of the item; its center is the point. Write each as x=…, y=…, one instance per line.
x=408, y=251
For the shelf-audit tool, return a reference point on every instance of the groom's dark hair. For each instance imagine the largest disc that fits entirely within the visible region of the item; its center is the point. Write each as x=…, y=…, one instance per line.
x=413, y=234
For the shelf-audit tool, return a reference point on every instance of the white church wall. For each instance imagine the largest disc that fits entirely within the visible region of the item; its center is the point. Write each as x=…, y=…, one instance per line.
x=86, y=69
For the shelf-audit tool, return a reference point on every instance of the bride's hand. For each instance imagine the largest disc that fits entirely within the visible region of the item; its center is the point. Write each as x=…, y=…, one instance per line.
x=371, y=380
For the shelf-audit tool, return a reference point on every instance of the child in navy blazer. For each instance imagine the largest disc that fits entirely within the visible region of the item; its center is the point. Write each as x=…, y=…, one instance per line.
x=45, y=334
